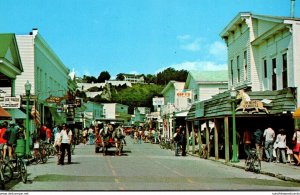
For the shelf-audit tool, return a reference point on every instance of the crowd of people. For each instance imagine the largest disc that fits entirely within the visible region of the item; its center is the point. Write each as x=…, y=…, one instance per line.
x=273, y=147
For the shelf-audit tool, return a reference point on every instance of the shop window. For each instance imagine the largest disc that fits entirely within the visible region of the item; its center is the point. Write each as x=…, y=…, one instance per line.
x=284, y=71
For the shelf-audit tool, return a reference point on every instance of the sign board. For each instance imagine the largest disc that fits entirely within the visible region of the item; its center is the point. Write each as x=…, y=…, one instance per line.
x=183, y=94
x=158, y=101
x=10, y=102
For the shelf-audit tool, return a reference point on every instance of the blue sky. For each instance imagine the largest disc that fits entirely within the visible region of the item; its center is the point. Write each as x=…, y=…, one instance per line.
x=134, y=36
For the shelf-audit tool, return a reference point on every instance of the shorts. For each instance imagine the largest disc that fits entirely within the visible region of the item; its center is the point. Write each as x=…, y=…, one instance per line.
x=296, y=148
x=36, y=145
x=3, y=146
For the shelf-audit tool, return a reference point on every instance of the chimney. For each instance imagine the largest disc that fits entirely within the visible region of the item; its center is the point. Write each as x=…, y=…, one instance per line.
x=293, y=8
x=34, y=32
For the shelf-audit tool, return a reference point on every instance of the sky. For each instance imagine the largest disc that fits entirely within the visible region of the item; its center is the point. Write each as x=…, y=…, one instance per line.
x=134, y=36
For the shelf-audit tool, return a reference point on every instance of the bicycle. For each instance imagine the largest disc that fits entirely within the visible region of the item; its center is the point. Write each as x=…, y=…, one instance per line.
x=40, y=153
x=252, y=162
x=19, y=166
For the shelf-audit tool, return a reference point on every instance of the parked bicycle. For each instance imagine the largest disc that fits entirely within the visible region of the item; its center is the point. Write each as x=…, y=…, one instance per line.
x=40, y=154
x=167, y=144
x=252, y=162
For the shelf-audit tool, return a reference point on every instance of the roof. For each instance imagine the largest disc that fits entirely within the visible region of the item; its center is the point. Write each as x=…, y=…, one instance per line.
x=219, y=105
x=9, y=51
x=239, y=18
x=177, y=86
x=207, y=76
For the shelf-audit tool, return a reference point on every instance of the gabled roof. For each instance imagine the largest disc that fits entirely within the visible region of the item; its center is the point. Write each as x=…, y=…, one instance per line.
x=207, y=77
x=177, y=86
x=9, y=54
x=241, y=16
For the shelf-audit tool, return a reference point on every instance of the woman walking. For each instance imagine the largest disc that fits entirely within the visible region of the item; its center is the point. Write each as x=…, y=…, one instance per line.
x=296, y=149
x=281, y=146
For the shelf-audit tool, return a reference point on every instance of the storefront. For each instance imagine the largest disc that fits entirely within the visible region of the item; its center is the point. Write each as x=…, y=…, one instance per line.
x=218, y=110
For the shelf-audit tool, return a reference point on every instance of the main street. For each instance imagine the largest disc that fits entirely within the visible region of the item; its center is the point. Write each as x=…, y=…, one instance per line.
x=143, y=167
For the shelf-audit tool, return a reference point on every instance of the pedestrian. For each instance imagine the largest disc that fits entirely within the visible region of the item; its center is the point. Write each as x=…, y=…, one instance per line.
x=296, y=149
x=140, y=136
x=269, y=136
x=146, y=134
x=281, y=146
x=91, y=135
x=247, y=141
x=57, y=143
x=135, y=136
x=177, y=138
x=48, y=134
x=258, y=140
x=290, y=155
x=84, y=136
x=183, y=143
x=66, y=135
x=12, y=130
x=3, y=142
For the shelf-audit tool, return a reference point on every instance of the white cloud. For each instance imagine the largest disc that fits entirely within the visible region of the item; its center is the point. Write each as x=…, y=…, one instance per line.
x=196, y=65
x=196, y=45
x=218, y=50
x=183, y=37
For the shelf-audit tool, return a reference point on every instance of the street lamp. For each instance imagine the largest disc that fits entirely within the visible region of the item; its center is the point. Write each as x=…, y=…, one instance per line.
x=234, y=145
x=27, y=89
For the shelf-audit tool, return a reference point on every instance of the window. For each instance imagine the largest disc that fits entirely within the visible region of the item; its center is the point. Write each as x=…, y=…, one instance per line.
x=265, y=68
x=284, y=71
x=238, y=68
x=245, y=65
x=231, y=67
x=274, y=81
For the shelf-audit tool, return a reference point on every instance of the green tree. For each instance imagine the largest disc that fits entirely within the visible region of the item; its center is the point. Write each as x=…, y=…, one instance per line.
x=120, y=77
x=104, y=76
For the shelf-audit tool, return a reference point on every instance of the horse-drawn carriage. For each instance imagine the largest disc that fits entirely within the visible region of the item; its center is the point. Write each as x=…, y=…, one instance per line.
x=109, y=139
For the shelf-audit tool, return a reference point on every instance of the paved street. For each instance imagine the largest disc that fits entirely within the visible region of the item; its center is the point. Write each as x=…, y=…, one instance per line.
x=144, y=167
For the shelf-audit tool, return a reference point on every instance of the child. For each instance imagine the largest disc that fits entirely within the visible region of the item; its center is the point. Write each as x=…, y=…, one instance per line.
x=36, y=147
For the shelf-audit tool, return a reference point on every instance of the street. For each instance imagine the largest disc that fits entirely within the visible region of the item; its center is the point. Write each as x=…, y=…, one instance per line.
x=143, y=167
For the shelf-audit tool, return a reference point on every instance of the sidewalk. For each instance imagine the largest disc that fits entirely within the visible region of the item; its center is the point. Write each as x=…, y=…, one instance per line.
x=287, y=172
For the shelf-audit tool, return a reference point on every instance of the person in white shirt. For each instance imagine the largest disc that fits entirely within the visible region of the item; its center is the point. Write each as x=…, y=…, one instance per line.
x=66, y=135
x=281, y=146
x=57, y=143
x=269, y=136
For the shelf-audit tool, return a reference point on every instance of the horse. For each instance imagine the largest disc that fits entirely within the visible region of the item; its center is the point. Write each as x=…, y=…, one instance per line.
x=252, y=104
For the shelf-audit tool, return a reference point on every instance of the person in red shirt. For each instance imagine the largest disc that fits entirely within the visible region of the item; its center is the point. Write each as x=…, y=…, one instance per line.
x=48, y=134
x=3, y=144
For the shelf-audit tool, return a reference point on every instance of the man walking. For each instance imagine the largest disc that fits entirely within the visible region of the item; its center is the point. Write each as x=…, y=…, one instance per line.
x=66, y=135
x=269, y=136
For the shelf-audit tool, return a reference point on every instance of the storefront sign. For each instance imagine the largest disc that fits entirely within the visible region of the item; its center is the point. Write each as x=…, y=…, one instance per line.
x=183, y=94
x=10, y=102
x=158, y=101
x=54, y=99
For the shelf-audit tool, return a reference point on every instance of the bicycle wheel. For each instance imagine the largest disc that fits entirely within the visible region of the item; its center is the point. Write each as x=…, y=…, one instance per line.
x=22, y=170
x=44, y=155
x=256, y=165
x=2, y=181
x=248, y=163
x=37, y=158
x=8, y=173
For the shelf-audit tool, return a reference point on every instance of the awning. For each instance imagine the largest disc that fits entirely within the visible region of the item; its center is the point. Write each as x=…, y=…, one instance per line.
x=4, y=114
x=296, y=114
x=57, y=118
x=16, y=113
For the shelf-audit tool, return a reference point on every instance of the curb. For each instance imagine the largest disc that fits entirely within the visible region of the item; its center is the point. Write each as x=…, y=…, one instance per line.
x=279, y=176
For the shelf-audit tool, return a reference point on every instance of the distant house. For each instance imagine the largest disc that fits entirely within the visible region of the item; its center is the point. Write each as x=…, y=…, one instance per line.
x=115, y=112
x=134, y=78
x=205, y=84
x=177, y=102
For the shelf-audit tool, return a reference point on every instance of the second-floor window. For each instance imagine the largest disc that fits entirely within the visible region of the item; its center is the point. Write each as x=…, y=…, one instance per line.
x=274, y=81
x=238, y=68
x=245, y=65
x=265, y=69
x=231, y=69
x=284, y=71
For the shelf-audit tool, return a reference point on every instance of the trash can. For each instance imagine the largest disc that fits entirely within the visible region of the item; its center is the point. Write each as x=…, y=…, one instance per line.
x=20, y=148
